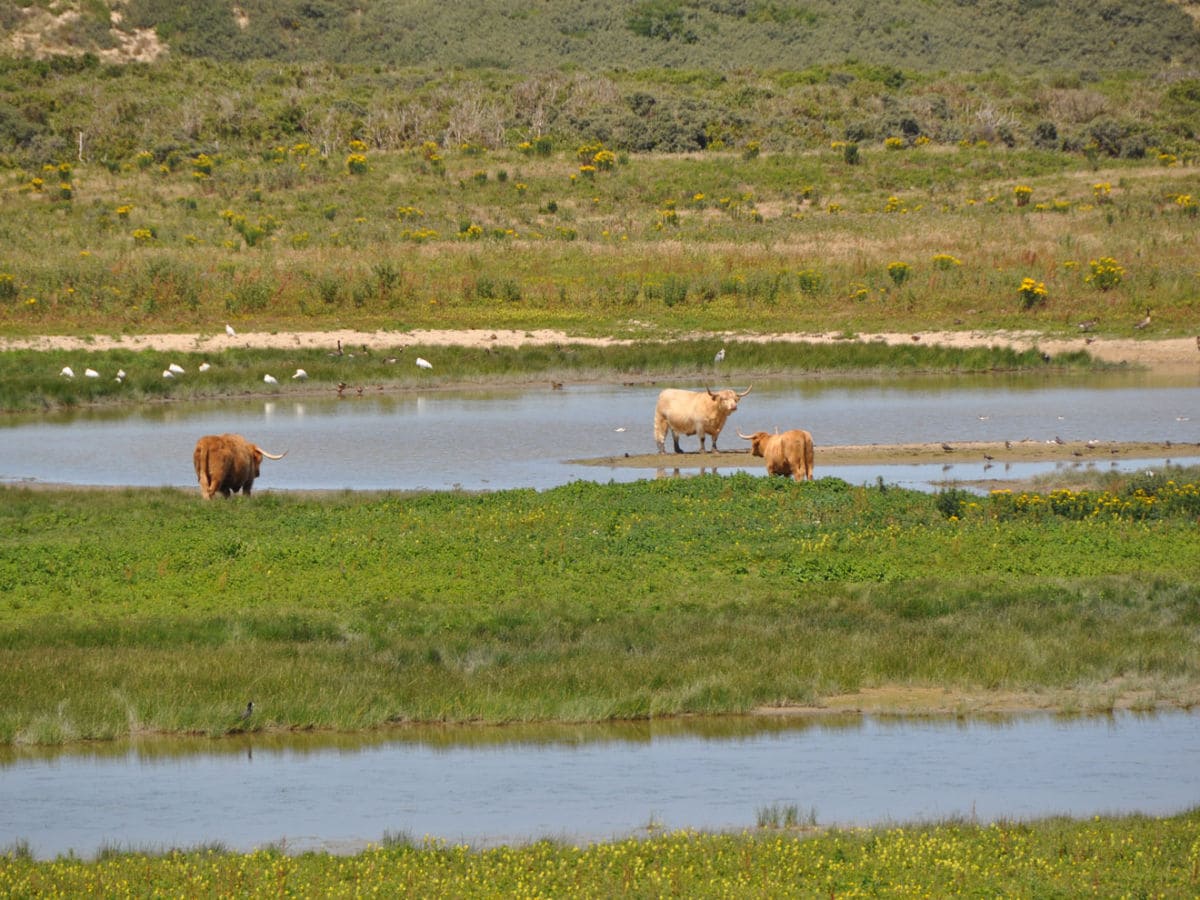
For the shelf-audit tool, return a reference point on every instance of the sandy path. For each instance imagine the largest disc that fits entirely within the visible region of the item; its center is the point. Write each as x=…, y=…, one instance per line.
x=1167, y=354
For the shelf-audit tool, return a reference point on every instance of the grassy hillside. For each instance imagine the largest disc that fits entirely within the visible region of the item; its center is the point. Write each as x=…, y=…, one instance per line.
x=725, y=35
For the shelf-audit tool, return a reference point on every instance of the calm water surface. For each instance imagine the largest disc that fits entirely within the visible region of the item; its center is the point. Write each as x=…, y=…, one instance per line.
x=484, y=439
x=491, y=785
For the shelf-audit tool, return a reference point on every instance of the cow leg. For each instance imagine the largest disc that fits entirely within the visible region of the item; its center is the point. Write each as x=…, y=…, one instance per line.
x=675, y=439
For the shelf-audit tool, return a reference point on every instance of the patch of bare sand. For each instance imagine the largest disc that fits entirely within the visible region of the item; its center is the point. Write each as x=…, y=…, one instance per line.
x=1164, y=354
x=910, y=700
x=984, y=452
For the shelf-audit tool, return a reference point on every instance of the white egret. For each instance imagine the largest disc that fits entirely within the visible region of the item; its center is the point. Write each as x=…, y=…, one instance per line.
x=229, y=330
x=270, y=379
x=91, y=373
x=67, y=371
x=120, y=374
x=423, y=363
x=204, y=367
x=300, y=375
x=176, y=368
x=167, y=373
x=720, y=355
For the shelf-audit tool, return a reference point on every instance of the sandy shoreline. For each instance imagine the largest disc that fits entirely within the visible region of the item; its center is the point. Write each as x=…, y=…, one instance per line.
x=996, y=453
x=1171, y=354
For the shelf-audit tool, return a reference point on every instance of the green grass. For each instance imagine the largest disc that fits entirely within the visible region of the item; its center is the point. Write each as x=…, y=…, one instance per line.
x=1118, y=856
x=133, y=611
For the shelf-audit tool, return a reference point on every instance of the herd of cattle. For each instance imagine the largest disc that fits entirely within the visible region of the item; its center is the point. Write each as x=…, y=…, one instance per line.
x=228, y=463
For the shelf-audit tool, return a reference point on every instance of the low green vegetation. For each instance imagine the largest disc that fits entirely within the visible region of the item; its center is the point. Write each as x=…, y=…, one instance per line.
x=33, y=380
x=1112, y=857
x=138, y=611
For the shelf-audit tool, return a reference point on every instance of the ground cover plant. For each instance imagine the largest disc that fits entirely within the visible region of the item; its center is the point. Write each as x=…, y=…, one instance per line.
x=141, y=611
x=1124, y=856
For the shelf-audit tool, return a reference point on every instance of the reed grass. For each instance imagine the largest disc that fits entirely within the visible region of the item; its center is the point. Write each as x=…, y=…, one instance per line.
x=31, y=380
x=150, y=611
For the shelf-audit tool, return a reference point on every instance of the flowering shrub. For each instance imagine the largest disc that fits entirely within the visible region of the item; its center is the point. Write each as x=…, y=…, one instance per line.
x=809, y=281
x=1022, y=193
x=587, y=170
x=604, y=160
x=892, y=205
x=356, y=164
x=1186, y=203
x=945, y=261
x=124, y=210
x=202, y=165
x=144, y=159
x=894, y=143
x=1102, y=191
x=1106, y=273
x=143, y=235
x=1032, y=293
x=751, y=150
x=8, y=287
x=898, y=271
x=1150, y=498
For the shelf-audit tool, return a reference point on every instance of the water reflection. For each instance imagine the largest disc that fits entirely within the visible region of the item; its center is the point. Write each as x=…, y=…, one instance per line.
x=491, y=438
x=504, y=784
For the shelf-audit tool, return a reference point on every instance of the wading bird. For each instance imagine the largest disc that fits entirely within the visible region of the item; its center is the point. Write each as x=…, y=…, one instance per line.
x=300, y=375
x=91, y=373
x=204, y=367
x=229, y=330
x=720, y=357
x=1144, y=322
x=423, y=363
x=270, y=379
x=176, y=368
x=67, y=371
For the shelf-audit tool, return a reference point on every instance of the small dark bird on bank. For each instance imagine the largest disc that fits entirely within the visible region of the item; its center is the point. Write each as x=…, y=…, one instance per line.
x=1008, y=445
x=248, y=711
x=947, y=447
x=1058, y=440
x=556, y=385
x=1144, y=322
x=916, y=337
x=988, y=458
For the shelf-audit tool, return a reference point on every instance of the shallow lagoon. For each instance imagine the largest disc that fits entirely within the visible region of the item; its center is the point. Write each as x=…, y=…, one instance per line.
x=492, y=438
x=511, y=784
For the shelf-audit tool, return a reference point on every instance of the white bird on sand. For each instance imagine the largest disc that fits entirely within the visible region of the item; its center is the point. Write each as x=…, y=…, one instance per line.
x=67, y=371
x=176, y=368
x=229, y=330
x=270, y=379
x=720, y=355
x=204, y=367
x=423, y=363
x=300, y=375
x=91, y=373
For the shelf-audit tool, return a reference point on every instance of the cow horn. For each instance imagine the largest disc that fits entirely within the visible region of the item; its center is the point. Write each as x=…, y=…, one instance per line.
x=746, y=391
x=745, y=437
x=710, y=391
x=273, y=455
